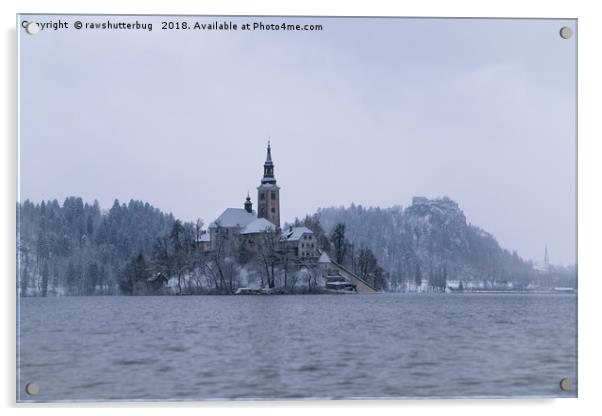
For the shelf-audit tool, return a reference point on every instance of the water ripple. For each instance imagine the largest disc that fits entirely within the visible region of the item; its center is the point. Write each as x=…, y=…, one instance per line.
x=119, y=348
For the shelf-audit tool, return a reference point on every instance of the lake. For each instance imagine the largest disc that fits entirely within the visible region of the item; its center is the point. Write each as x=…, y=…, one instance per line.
x=291, y=347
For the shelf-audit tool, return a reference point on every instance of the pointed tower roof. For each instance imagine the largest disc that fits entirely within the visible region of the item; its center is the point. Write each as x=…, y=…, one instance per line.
x=269, y=155
x=268, y=168
x=248, y=204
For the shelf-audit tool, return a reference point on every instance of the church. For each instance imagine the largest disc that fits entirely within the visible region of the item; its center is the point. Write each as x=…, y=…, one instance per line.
x=250, y=226
x=253, y=228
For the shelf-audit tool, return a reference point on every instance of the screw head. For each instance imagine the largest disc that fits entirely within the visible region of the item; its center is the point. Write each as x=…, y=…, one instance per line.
x=32, y=389
x=566, y=384
x=32, y=28
x=566, y=32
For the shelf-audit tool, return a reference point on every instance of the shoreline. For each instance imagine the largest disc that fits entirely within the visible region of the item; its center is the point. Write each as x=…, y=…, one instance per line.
x=327, y=292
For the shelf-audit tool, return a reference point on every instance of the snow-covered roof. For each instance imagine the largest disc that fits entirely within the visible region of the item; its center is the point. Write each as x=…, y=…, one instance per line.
x=259, y=225
x=268, y=186
x=295, y=233
x=340, y=283
x=205, y=237
x=324, y=258
x=233, y=217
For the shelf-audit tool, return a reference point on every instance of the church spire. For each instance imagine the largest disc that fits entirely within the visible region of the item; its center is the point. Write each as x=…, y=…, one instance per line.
x=268, y=168
x=269, y=156
x=268, y=193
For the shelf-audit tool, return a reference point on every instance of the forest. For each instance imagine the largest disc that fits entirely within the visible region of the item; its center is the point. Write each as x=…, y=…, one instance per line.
x=77, y=248
x=432, y=240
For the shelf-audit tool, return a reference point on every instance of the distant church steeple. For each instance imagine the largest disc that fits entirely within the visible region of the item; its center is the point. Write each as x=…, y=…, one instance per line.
x=546, y=259
x=268, y=193
x=248, y=204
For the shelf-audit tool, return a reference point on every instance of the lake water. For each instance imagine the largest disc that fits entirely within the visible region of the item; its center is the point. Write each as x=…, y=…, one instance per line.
x=322, y=346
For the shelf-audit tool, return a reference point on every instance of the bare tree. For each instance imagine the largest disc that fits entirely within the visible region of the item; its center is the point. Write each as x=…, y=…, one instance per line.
x=268, y=255
x=179, y=252
x=312, y=272
x=293, y=278
x=198, y=232
x=223, y=264
x=366, y=263
x=288, y=265
x=339, y=243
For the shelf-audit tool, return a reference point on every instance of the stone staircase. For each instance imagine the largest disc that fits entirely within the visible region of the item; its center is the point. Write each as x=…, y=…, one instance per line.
x=342, y=279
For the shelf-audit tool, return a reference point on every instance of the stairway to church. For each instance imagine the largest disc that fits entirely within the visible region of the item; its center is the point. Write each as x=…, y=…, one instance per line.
x=343, y=279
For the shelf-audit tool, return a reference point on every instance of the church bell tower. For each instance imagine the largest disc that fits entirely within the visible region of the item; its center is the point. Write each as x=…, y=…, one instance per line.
x=268, y=193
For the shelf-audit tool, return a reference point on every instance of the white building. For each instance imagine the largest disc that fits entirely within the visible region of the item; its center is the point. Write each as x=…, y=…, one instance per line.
x=301, y=242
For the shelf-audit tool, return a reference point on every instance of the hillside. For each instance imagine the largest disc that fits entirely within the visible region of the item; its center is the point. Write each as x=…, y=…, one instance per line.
x=431, y=239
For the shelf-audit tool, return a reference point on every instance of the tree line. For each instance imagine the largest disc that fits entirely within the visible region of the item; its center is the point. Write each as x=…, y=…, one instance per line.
x=76, y=248
x=431, y=242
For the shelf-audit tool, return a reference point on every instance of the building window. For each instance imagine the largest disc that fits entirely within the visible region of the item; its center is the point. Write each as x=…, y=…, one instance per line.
x=273, y=210
x=262, y=196
x=273, y=195
x=262, y=210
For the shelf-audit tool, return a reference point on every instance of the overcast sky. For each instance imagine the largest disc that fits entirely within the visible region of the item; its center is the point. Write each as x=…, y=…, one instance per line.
x=371, y=111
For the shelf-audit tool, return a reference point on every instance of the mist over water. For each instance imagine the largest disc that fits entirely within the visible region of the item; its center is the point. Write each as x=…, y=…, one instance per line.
x=328, y=346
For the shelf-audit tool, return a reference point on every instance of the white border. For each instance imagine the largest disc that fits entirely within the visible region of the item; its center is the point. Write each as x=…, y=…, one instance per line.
x=589, y=211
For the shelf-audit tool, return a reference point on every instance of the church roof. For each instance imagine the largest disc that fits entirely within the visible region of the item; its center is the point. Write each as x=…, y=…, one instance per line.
x=259, y=225
x=233, y=217
x=295, y=233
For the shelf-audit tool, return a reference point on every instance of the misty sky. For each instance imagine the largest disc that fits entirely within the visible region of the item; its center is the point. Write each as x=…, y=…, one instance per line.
x=371, y=111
